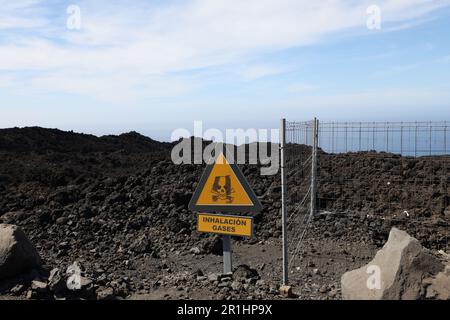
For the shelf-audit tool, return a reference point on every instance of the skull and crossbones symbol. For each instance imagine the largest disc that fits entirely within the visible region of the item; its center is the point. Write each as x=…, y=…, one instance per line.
x=222, y=190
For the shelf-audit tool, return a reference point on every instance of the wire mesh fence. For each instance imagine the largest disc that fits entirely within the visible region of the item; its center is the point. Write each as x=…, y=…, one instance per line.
x=405, y=138
x=385, y=170
x=298, y=150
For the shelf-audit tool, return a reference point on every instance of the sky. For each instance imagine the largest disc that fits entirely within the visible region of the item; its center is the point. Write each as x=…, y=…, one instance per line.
x=107, y=67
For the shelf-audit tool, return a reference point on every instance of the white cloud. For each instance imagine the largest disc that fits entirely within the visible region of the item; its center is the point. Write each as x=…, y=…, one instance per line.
x=371, y=103
x=21, y=14
x=301, y=88
x=7, y=81
x=259, y=71
x=143, y=46
x=114, y=88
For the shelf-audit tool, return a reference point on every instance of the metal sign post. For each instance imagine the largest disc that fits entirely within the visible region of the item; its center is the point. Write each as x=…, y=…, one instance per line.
x=227, y=260
x=226, y=225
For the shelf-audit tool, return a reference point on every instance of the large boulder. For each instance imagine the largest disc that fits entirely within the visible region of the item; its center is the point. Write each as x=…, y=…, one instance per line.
x=17, y=254
x=396, y=273
x=439, y=286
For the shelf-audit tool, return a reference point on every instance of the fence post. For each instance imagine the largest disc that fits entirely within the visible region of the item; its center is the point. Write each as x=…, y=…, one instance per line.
x=431, y=133
x=415, y=141
x=283, y=202
x=445, y=137
x=314, y=167
x=401, y=139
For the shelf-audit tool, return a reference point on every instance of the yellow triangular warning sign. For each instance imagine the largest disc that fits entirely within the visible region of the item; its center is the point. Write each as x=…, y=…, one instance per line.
x=224, y=188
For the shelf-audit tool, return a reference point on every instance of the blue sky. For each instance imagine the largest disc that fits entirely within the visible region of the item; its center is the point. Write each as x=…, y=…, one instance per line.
x=155, y=66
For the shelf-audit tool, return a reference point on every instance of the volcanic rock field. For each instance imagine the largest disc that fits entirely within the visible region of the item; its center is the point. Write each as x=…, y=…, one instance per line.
x=118, y=207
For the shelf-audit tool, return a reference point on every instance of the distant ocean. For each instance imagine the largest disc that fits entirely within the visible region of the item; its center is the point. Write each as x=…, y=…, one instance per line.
x=407, y=142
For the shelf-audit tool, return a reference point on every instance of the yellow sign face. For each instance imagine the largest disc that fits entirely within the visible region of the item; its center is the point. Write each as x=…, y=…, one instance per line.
x=223, y=187
x=228, y=225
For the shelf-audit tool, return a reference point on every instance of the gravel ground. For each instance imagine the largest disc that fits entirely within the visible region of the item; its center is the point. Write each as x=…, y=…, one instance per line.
x=118, y=206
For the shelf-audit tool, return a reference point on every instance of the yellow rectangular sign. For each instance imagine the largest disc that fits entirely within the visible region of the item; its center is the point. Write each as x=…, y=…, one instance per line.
x=228, y=225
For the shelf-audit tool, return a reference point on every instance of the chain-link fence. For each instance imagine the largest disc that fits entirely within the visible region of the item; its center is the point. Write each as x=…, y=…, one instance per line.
x=299, y=157
x=405, y=138
x=382, y=170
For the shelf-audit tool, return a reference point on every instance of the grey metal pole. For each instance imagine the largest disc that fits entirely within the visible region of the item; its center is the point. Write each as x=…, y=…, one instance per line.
x=430, y=140
x=314, y=167
x=387, y=136
x=360, y=135
x=373, y=137
x=401, y=139
x=445, y=137
x=283, y=202
x=415, y=141
x=227, y=259
x=346, y=135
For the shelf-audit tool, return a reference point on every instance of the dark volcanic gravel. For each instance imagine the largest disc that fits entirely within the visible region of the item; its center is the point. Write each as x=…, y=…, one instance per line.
x=118, y=206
